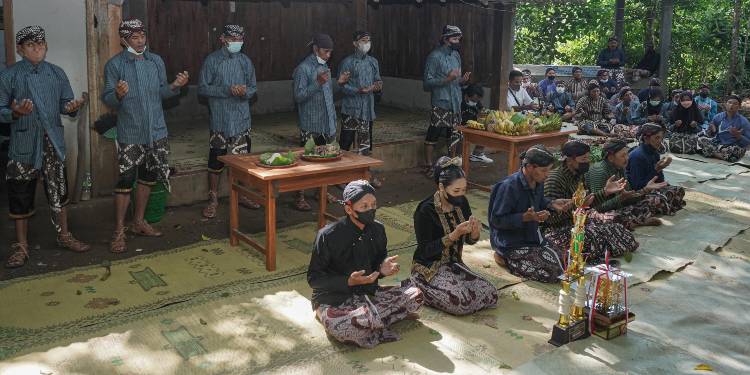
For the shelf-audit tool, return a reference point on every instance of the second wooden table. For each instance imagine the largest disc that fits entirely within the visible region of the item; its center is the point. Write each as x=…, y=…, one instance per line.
x=264, y=185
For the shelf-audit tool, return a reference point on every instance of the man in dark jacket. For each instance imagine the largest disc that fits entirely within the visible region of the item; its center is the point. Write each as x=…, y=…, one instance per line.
x=349, y=256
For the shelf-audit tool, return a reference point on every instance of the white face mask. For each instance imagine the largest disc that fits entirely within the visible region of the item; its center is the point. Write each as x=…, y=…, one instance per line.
x=560, y=90
x=320, y=60
x=364, y=47
x=471, y=104
x=234, y=47
x=133, y=51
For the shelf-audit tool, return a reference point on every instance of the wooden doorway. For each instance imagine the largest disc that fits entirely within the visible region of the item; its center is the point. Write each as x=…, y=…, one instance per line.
x=8, y=36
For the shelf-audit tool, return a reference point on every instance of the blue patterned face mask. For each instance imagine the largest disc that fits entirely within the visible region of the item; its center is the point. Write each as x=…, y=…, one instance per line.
x=234, y=47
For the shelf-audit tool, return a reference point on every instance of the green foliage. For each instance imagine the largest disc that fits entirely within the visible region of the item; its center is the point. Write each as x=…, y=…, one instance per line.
x=575, y=32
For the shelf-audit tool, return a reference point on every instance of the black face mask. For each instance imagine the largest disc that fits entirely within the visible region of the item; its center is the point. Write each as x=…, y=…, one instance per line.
x=583, y=168
x=366, y=217
x=704, y=95
x=454, y=200
x=455, y=46
x=551, y=78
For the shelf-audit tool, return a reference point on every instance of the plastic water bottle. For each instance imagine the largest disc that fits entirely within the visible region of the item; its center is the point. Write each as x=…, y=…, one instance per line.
x=86, y=187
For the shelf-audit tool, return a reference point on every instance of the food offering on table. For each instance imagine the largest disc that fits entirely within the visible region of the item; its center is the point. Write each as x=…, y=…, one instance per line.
x=475, y=125
x=277, y=160
x=511, y=123
x=329, y=152
x=549, y=123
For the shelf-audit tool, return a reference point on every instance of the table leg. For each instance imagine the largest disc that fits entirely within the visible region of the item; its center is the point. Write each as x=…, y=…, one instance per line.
x=270, y=229
x=234, y=219
x=323, y=206
x=513, y=159
x=465, y=156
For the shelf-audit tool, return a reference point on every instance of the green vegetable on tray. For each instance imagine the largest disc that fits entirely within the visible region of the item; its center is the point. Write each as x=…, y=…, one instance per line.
x=277, y=159
x=331, y=150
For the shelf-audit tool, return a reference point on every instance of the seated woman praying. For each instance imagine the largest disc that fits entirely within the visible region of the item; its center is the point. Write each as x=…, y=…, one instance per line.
x=593, y=116
x=443, y=224
x=631, y=208
x=645, y=166
x=601, y=236
x=349, y=256
x=517, y=206
x=728, y=134
x=685, y=124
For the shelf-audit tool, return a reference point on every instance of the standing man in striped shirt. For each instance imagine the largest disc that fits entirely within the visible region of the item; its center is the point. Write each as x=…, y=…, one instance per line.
x=228, y=81
x=135, y=83
x=33, y=94
x=443, y=79
x=358, y=104
x=313, y=93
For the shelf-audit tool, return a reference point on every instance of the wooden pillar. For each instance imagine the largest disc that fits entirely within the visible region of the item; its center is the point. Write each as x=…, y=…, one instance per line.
x=502, y=53
x=102, y=42
x=9, y=35
x=619, y=20
x=360, y=14
x=665, y=39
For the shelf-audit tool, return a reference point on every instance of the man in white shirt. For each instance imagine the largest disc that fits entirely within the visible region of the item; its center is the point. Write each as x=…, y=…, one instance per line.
x=518, y=98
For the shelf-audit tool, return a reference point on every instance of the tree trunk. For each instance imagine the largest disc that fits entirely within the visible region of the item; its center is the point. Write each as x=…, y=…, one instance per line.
x=648, y=29
x=733, y=73
x=619, y=20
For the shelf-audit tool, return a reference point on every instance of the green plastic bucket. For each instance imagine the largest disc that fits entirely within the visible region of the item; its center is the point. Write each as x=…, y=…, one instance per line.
x=157, y=203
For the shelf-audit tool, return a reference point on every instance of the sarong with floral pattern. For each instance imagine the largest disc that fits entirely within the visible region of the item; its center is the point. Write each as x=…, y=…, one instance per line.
x=541, y=263
x=456, y=289
x=364, y=320
x=712, y=149
x=600, y=236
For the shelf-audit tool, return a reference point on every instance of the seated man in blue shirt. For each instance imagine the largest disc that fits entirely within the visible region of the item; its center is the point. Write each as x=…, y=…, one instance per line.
x=548, y=86
x=644, y=162
x=729, y=134
x=517, y=206
x=607, y=86
x=561, y=102
x=612, y=58
x=706, y=105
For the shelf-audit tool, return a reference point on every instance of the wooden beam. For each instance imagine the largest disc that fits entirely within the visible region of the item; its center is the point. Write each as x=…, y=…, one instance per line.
x=102, y=42
x=9, y=34
x=665, y=39
x=360, y=14
x=502, y=53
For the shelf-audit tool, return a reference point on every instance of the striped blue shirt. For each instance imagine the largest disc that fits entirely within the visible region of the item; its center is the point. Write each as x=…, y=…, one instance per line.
x=47, y=86
x=364, y=71
x=230, y=114
x=317, y=113
x=140, y=117
x=439, y=63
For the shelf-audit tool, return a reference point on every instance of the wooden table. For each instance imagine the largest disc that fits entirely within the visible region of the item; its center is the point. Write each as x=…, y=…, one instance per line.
x=264, y=185
x=513, y=145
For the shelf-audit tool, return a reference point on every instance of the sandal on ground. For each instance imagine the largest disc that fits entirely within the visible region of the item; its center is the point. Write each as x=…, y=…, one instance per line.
x=19, y=256
x=249, y=203
x=301, y=205
x=69, y=242
x=213, y=203
x=117, y=245
x=144, y=229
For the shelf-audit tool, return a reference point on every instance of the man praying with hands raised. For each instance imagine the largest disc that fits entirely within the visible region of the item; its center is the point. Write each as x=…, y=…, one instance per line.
x=348, y=259
x=135, y=83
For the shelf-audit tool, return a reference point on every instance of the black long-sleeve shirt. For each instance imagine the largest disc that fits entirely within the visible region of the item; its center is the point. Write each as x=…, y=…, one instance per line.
x=340, y=249
x=433, y=246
